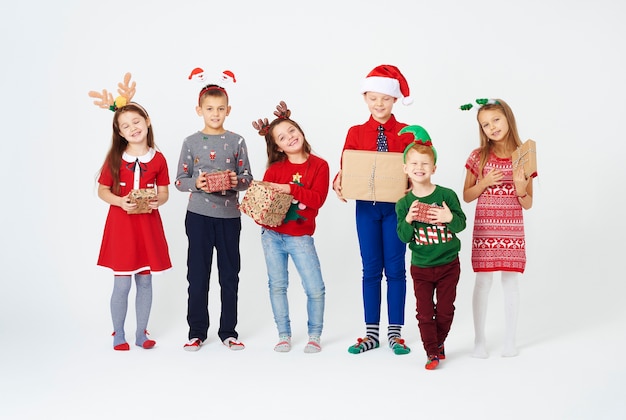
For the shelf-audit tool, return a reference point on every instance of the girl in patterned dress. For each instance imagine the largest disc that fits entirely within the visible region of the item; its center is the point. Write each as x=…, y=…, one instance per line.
x=498, y=243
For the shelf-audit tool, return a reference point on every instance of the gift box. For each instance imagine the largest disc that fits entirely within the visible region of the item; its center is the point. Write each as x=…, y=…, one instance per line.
x=218, y=181
x=422, y=212
x=373, y=176
x=142, y=198
x=526, y=155
x=266, y=205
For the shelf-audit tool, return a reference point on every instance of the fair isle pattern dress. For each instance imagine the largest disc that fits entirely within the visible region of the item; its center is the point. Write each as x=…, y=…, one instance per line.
x=498, y=242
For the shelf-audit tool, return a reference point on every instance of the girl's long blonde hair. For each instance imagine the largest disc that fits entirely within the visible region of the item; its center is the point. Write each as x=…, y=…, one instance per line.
x=512, y=140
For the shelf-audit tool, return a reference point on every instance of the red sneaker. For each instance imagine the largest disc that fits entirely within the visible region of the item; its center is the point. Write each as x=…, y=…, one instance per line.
x=433, y=362
x=193, y=344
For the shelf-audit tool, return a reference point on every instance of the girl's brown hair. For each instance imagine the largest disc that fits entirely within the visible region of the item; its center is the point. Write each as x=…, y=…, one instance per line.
x=113, y=160
x=273, y=155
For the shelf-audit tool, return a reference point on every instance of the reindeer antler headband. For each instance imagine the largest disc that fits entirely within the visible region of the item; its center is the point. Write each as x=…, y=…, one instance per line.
x=126, y=92
x=481, y=102
x=263, y=126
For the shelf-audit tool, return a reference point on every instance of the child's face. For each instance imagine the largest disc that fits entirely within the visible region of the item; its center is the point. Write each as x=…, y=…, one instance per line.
x=133, y=127
x=494, y=124
x=288, y=138
x=214, y=110
x=419, y=166
x=380, y=105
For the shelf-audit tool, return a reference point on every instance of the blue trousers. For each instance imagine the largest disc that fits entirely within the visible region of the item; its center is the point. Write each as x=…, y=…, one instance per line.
x=277, y=248
x=205, y=234
x=381, y=252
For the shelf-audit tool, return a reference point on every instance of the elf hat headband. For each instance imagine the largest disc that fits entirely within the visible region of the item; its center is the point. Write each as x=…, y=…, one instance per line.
x=263, y=126
x=126, y=92
x=481, y=102
x=387, y=79
x=420, y=136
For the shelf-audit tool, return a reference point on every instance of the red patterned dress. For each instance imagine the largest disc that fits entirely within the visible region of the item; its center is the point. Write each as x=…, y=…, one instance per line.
x=498, y=242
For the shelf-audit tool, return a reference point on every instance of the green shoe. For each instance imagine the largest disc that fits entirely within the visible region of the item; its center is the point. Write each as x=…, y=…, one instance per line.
x=399, y=347
x=363, y=344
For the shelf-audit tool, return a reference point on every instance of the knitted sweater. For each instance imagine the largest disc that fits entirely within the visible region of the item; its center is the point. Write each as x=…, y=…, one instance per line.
x=431, y=245
x=209, y=153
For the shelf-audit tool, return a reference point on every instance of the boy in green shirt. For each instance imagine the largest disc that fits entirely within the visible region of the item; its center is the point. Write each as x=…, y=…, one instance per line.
x=429, y=217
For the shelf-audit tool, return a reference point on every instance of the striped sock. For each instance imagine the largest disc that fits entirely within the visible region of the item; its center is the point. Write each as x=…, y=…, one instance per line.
x=371, y=340
x=393, y=332
x=372, y=332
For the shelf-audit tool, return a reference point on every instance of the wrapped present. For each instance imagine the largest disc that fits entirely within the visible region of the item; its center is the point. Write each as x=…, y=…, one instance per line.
x=217, y=181
x=422, y=212
x=266, y=205
x=526, y=155
x=373, y=176
x=142, y=198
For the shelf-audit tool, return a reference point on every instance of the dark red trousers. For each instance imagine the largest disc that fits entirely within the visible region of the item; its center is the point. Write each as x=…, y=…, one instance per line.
x=435, y=292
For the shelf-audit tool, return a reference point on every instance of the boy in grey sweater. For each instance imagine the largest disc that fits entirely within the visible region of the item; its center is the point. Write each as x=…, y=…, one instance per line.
x=213, y=219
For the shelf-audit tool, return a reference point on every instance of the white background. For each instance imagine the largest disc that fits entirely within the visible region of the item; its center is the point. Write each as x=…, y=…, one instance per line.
x=560, y=65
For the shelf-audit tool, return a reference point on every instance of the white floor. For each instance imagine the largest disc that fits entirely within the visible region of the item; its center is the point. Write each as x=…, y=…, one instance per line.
x=58, y=364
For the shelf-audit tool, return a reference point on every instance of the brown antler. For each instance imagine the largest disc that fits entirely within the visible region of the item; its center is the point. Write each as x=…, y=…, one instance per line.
x=262, y=126
x=282, y=111
x=125, y=89
x=106, y=101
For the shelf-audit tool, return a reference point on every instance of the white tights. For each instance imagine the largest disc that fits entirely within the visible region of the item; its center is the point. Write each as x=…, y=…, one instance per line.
x=510, y=291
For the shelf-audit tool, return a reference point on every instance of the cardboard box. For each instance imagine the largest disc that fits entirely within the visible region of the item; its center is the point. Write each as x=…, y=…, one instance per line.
x=142, y=198
x=266, y=205
x=218, y=181
x=526, y=155
x=373, y=176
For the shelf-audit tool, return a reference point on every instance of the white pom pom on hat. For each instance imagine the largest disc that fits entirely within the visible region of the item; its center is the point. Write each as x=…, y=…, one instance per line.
x=389, y=80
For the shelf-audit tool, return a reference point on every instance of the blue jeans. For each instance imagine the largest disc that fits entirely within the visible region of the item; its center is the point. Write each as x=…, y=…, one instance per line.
x=277, y=247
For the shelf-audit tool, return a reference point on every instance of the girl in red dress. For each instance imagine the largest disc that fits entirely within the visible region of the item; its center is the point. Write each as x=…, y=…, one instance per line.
x=498, y=243
x=133, y=242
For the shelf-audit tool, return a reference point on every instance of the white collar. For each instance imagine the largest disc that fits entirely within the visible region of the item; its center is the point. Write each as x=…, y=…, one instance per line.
x=143, y=159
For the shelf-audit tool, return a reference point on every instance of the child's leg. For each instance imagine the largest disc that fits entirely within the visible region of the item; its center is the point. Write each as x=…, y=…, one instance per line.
x=510, y=290
x=199, y=261
x=227, y=234
x=304, y=256
x=119, y=307
x=394, y=251
x=424, y=289
x=448, y=278
x=143, y=304
x=369, y=232
x=276, y=261
x=482, y=286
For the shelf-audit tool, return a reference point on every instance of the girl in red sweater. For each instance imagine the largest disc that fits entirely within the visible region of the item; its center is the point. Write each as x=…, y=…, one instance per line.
x=292, y=169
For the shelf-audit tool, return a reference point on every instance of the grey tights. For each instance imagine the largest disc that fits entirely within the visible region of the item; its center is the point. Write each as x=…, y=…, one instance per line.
x=119, y=306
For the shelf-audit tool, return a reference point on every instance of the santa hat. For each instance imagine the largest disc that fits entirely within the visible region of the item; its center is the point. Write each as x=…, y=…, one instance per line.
x=387, y=79
x=195, y=72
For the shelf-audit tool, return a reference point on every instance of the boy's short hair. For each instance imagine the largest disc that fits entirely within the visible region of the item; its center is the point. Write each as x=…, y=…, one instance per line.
x=421, y=149
x=212, y=90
